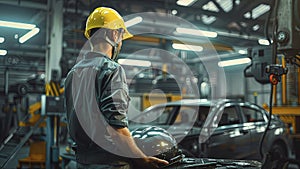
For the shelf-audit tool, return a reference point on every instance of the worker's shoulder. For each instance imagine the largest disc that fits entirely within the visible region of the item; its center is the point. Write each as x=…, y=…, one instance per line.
x=110, y=65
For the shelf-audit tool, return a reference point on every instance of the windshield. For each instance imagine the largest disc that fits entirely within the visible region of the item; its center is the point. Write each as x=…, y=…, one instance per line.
x=178, y=115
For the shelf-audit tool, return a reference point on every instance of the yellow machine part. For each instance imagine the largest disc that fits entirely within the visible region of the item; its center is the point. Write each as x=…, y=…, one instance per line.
x=37, y=153
x=290, y=115
x=37, y=156
x=152, y=99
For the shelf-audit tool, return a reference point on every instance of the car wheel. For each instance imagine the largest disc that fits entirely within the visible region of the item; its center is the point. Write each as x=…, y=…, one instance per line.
x=278, y=152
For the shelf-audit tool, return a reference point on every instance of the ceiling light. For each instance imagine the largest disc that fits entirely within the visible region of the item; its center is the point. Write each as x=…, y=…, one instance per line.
x=208, y=19
x=234, y=62
x=29, y=35
x=255, y=27
x=247, y=15
x=196, y=32
x=185, y=2
x=17, y=25
x=133, y=21
x=263, y=42
x=259, y=10
x=133, y=62
x=243, y=52
x=210, y=6
x=225, y=4
x=179, y=46
x=3, y=52
x=174, y=12
x=2, y=39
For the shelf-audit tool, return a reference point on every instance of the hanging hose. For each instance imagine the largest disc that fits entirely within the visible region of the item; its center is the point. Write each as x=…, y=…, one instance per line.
x=269, y=123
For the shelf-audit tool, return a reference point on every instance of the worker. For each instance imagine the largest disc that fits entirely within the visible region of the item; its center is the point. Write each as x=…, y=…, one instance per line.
x=96, y=99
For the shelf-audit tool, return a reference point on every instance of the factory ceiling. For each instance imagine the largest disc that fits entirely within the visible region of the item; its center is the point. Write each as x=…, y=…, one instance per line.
x=238, y=23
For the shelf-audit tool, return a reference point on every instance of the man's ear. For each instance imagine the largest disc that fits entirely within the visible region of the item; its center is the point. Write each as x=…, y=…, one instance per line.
x=115, y=35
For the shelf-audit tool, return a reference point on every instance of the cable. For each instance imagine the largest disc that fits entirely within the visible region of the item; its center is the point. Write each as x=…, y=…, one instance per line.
x=274, y=54
x=269, y=122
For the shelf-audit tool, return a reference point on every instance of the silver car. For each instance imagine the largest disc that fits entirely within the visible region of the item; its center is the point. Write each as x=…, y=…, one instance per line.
x=229, y=129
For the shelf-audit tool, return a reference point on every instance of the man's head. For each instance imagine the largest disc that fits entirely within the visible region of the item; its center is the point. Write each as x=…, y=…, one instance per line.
x=106, y=25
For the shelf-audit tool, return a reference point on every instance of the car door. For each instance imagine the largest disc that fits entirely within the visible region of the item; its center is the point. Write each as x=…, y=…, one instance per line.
x=229, y=140
x=255, y=122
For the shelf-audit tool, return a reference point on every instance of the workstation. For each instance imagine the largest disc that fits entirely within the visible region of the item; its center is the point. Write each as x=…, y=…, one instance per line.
x=190, y=83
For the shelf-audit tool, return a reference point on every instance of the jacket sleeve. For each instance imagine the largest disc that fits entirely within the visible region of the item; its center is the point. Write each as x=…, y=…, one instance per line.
x=113, y=97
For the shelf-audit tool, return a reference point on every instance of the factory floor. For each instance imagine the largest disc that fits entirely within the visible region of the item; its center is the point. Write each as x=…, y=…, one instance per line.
x=24, y=152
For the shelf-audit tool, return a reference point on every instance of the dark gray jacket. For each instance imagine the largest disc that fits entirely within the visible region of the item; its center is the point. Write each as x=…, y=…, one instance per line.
x=96, y=95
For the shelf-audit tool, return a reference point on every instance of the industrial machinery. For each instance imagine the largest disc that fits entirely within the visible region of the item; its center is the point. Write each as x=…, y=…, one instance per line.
x=281, y=63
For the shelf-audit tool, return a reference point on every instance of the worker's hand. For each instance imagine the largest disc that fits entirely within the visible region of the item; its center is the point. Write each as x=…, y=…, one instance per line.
x=151, y=162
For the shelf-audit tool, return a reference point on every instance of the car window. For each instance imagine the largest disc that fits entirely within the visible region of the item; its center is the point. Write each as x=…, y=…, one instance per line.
x=156, y=116
x=186, y=115
x=229, y=116
x=252, y=115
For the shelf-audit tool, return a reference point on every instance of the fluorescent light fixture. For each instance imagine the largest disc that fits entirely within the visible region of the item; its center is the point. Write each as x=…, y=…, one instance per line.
x=210, y=6
x=185, y=2
x=187, y=47
x=263, y=42
x=133, y=62
x=226, y=5
x=208, y=19
x=255, y=27
x=243, y=52
x=29, y=35
x=247, y=15
x=3, y=52
x=133, y=21
x=174, y=12
x=259, y=10
x=2, y=39
x=196, y=32
x=234, y=62
x=17, y=25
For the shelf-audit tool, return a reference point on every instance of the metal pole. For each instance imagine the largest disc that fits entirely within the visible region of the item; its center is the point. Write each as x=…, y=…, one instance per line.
x=6, y=74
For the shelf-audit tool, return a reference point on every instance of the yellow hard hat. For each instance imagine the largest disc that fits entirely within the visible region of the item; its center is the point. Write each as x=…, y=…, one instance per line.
x=104, y=17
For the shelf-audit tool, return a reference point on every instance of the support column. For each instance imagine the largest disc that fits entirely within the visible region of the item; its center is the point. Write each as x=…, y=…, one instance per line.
x=6, y=74
x=54, y=40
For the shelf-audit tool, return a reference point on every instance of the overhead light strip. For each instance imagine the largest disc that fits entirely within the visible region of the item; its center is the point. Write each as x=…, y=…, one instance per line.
x=234, y=62
x=187, y=47
x=263, y=42
x=196, y=32
x=133, y=62
x=260, y=10
x=133, y=21
x=185, y=2
x=2, y=39
x=3, y=52
x=17, y=25
x=29, y=35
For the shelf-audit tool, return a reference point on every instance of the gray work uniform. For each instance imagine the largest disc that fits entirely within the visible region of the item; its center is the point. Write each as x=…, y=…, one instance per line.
x=96, y=95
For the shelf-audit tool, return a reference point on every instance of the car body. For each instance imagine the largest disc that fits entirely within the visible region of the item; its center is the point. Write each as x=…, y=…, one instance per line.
x=218, y=129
